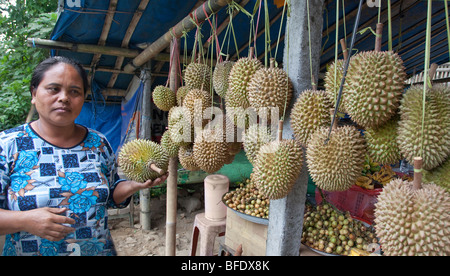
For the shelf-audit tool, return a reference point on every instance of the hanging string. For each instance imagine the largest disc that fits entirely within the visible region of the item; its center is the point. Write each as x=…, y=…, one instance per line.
x=426, y=78
x=389, y=26
x=336, y=47
x=267, y=34
x=281, y=27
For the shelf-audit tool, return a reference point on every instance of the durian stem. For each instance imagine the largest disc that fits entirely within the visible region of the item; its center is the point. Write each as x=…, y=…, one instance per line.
x=335, y=123
x=272, y=63
x=417, y=182
x=344, y=48
x=280, y=130
x=432, y=71
x=250, y=52
x=156, y=169
x=378, y=38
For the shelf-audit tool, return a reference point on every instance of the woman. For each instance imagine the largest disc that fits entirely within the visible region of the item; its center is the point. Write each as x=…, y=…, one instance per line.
x=57, y=178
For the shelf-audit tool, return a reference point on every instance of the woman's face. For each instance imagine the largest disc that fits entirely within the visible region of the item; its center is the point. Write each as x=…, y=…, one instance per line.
x=59, y=96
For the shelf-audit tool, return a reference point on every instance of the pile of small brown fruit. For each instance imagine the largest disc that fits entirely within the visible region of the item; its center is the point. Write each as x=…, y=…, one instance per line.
x=247, y=199
x=334, y=232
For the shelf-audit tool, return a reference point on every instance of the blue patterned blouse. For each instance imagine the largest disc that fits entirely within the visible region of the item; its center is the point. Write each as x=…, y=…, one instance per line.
x=35, y=174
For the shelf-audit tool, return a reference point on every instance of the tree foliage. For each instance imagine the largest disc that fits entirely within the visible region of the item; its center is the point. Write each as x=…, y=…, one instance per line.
x=25, y=19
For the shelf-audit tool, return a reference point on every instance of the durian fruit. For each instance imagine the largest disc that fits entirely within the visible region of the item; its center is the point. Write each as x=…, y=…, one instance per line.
x=439, y=175
x=413, y=222
x=181, y=93
x=270, y=88
x=310, y=112
x=142, y=160
x=186, y=157
x=332, y=84
x=375, y=84
x=163, y=97
x=210, y=150
x=236, y=99
x=336, y=164
x=198, y=76
x=179, y=126
x=436, y=135
x=382, y=144
x=276, y=167
x=167, y=143
x=196, y=102
x=220, y=77
x=254, y=137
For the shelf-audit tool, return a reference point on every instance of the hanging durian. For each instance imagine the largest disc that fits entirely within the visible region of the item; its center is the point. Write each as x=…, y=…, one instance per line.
x=163, y=97
x=435, y=138
x=141, y=160
x=276, y=168
x=220, y=77
x=375, y=84
x=336, y=164
x=236, y=99
x=197, y=101
x=186, y=157
x=167, y=143
x=181, y=93
x=439, y=175
x=310, y=112
x=254, y=137
x=413, y=219
x=198, y=76
x=270, y=88
x=179, y=126
x=382, y=144
x=210, y=150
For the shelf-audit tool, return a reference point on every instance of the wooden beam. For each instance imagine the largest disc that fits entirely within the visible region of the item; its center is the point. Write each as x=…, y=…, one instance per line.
x=126, y=40
x=212, y=6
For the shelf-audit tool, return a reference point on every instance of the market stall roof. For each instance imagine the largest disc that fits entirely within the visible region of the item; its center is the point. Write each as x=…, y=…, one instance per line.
x=106, y=36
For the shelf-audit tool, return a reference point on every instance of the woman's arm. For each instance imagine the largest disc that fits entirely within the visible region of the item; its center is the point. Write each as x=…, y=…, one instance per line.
x=127, y=188
x=43, y=222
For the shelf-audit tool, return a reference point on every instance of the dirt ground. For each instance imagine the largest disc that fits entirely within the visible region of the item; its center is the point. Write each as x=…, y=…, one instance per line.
x=135, y=241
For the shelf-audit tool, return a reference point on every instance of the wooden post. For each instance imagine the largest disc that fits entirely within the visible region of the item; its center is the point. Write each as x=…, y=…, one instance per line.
x=145, y=133
x=171, y=200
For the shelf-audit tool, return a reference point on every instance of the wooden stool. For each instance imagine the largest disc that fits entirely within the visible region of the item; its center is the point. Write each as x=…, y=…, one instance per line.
x=208, y=230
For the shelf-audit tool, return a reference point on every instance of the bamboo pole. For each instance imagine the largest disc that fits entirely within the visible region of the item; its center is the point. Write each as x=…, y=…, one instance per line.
x=187, y=24
x=171, y=199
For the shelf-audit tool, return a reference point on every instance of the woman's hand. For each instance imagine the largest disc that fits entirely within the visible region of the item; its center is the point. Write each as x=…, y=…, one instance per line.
x=125, y=189
x=48, y=223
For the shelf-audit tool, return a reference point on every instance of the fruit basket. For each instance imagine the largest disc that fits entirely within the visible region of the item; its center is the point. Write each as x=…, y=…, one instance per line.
x=328, y=231
x=248, y=203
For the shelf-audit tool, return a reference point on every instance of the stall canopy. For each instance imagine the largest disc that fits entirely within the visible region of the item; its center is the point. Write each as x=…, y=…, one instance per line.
x=107, y=36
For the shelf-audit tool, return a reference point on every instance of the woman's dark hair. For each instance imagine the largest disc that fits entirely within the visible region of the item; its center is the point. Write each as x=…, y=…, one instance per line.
x=45, y=65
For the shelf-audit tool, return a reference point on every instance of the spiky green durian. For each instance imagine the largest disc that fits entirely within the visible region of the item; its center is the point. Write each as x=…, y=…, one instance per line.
x=435, y=138
x=198, y=76
x=277, y=165
x=335, y=164
x=186, y=157
x=254, y=137
x=439, y=175
x=310, y=112
x=167, y=143
x=220, y=77
x=375, y=82
x=137, y=159
x=382, y=144
x=413, y=222
x=181, y=93
x=163, y=97
x=210, y=150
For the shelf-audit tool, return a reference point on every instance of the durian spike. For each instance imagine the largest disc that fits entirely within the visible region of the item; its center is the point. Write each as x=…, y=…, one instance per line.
x=378, y=38
x=417, y=182
x=344, y=48
x=280, y=130
x=156, y=169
